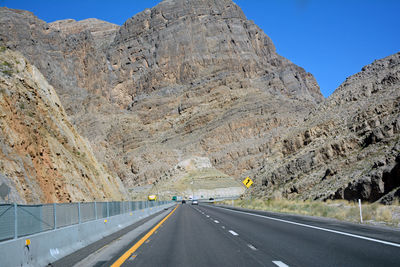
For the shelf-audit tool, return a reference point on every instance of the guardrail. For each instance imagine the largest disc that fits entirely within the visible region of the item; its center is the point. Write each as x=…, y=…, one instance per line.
x=24, y=220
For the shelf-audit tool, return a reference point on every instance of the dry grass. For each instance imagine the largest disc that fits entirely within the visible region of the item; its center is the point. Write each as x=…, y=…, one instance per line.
x=341, y=210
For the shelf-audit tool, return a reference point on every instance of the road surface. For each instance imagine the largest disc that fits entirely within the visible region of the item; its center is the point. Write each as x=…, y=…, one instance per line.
x=205, y=235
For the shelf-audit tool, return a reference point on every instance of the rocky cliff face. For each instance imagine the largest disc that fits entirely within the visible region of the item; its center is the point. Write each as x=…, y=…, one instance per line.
x=181, y=42
x=348, y=147
x=196, y=78
x=102, y=32
x=68, y=59
x=43, y=158
x=215, y=89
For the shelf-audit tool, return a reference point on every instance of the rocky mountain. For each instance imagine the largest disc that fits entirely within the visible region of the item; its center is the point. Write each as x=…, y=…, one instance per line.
x=147, y=102
x=348, y=147
x=102, y=32
x=184, y=42
x=43, y=158
x=189, y=79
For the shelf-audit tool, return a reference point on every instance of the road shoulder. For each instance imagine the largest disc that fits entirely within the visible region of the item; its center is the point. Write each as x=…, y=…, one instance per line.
x=376, y=232
x=105, y=249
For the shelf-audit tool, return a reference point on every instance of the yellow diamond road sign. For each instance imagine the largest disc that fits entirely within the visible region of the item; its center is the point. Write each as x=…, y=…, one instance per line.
x=247, y=182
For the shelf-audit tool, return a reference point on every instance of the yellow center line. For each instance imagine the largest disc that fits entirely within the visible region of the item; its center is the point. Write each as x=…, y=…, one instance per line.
x=128, y=253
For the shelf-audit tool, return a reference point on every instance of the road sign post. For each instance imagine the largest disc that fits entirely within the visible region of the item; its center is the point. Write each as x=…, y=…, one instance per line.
x=247, y=183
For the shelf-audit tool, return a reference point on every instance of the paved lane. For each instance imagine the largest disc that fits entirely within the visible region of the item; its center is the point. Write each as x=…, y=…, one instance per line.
x=209, y=236
x=190, y=239
x=296, y=245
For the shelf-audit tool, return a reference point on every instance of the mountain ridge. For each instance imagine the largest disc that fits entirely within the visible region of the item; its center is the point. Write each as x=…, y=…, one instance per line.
x=192, y=79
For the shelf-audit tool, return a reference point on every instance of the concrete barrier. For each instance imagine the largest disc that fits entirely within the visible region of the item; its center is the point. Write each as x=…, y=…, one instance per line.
x=46, y=247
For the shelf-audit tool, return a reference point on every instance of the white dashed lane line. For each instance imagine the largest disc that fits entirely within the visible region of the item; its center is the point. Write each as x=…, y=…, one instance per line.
x=280, y=264
x=251, y=246
x=233, y=233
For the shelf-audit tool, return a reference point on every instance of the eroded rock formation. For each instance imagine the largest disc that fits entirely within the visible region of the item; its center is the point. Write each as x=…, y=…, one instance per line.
x=42, y=158
x=196, y=78
x=348, y=147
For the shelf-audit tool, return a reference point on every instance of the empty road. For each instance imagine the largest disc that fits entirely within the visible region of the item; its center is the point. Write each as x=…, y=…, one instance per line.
x=205, y=235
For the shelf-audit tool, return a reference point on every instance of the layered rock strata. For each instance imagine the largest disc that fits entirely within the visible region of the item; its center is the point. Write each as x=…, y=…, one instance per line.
x=43, y=159
x=191, y=79
x=196, y=78
x=348, y=147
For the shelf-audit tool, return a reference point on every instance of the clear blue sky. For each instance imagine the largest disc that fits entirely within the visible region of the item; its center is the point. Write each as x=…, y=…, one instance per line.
x=332, y=39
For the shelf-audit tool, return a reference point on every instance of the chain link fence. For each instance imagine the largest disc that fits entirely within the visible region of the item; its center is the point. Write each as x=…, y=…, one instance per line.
x=22, y=220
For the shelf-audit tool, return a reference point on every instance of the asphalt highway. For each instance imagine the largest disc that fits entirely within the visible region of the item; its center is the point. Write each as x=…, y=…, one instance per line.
x=205, y=235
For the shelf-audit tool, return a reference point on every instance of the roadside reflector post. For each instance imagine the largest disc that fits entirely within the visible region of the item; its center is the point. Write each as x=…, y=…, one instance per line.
x=15, y=221
x=359, y=204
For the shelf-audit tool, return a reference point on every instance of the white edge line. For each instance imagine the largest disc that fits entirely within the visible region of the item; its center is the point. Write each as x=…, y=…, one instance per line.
x=280, y=264
x=320, y=228
x=233, y=232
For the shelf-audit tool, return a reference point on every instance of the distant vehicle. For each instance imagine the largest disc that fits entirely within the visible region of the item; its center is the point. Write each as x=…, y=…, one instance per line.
x=211, y=198
x=174, y=198
x=195, y=202
x=152, y=198
x=183, y=201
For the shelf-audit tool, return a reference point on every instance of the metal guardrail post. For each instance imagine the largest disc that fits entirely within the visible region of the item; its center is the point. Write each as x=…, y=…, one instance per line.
x=108, y=210
x=79, y=212
x=15, y=221
x=55, y=215
x=95, y=210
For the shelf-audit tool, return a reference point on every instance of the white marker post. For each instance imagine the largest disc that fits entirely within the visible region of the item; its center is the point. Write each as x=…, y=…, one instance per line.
x=359, y=204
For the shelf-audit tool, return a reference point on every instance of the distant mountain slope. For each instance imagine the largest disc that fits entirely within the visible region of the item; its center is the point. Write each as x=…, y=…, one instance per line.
x=178, y=80
x=42, y=157
x=181, y=42
x=197, y=79
x=102, y=32
x=349, y=147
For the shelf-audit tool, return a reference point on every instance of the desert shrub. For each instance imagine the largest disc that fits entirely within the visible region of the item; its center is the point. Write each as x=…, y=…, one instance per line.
x=7, y=64
x=341, y=210
x=384, y=214
x=7, y=72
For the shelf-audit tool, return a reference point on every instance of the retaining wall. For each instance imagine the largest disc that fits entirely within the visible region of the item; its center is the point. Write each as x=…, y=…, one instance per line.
x=46, y=247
